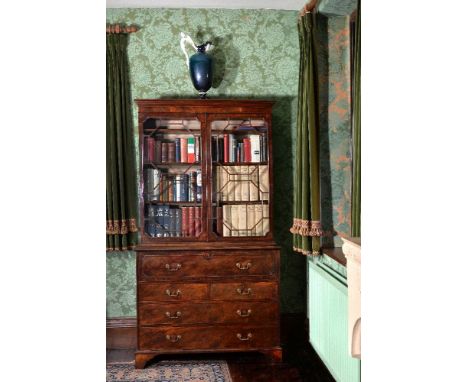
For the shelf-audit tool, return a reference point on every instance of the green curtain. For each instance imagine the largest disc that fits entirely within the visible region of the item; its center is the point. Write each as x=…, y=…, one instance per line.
x=121, y=195
x=356, y=105
x=306, y=227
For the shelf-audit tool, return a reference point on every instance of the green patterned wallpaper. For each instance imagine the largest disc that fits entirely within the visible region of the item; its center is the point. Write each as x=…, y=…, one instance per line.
x=257, y=56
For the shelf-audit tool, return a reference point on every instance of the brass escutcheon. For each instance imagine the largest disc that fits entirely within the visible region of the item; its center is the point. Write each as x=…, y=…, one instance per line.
x=243, y=267
x=173, y=294
x=173, y=267
x=244, y=313
x=173, y=338
x=249, y=336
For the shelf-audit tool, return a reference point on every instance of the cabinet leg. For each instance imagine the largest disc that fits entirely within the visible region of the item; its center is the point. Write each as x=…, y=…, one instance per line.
x=275, y=355
x=141, y=359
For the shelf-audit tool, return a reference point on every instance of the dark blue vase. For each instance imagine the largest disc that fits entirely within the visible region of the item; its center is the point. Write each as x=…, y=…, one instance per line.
x=201, y=70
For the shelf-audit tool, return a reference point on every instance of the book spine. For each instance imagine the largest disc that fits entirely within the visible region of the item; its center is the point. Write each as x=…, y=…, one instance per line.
x=197, y=149
x=178, y=180
x=214, y=150
x=156, y=174
x=171, y=152
x=226, y=220
x=245, y=182
x=171, y=189
x=150, y=149
x=159, y=221
x=191, y=150
x=235, y=220
x=253, y=183
x=148, y=175
x=226, y=148
x=157, y=151
x=261, y=148
x=184, y=221
x=265, y=148
x=220, y=149
x=199, y=186
x=193, y=185
x=264, y=182
x=255, y=148
x=177, y=150
x=247, y=153
x=242, y=211
x=232, y=148
x=197, y=221
x=164, y=152
x=241, y=153
x=183, y=150
x=178, y=224
x=237, y=183
x=166, y=221
x=172, y=222
x=191, y=221
x=250, y=220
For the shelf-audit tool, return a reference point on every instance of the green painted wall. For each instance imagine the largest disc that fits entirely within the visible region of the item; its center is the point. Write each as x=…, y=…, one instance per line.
x=257, y=53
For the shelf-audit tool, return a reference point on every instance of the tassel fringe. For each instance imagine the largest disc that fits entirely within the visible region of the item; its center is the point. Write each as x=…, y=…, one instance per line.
x=306, y=228
x=121, y=227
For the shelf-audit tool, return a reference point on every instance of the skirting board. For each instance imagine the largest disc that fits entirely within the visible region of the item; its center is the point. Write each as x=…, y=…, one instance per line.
x=121, y=333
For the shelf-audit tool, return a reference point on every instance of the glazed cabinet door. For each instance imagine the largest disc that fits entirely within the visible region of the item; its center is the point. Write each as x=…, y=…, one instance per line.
x=173, y=180
x=240, y=173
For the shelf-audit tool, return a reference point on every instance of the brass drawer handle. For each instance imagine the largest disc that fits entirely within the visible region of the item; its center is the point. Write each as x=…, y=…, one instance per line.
x=176, y=315
x=249, y=336
x=173, y=267
x=244, y=291
x=243, y=267
x=173, y=294
x=244, y=313
x=173, y=338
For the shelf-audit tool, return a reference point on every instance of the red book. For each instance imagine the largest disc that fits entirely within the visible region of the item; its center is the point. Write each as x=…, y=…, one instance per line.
x=191, y=221
x=185, y=221
x=149, y=149
x=197, y=221
x=164, y=152
x=191, y=150
x=247, y=153
x=226, y=148
x=183, y=150
x=171, y=152
x=157, y=151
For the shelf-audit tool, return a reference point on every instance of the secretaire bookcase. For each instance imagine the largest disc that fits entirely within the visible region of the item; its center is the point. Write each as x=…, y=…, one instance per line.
x=207, y=264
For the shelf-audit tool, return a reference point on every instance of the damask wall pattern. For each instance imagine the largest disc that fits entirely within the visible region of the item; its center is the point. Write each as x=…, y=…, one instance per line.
x=257, y=56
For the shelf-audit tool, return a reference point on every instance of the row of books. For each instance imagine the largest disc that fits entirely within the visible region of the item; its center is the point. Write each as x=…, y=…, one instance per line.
x=166, y=221
x=168, y=187
x=229, y=148
x=180, y=150
x=243, y=220
x=241, y=183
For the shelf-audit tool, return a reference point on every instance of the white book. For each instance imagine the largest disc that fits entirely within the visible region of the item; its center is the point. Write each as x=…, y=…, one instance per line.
x=258, y=220
x=230, y=185
x=253, y=183
x=235, y=220
x=242, y=216
x=178, y=180
x=244, y=183
x=232, y=146
x=237, y=183
x=251, y=220
x=264, y=187
x=255, y=148
x=226, y=220
x=156, y=179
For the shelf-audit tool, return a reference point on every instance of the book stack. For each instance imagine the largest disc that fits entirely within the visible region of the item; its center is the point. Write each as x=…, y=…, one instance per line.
x=166, y=221
x=229, y=148
x=166, y=187
x=179, y=150
x=242, y=183
x=243, y=220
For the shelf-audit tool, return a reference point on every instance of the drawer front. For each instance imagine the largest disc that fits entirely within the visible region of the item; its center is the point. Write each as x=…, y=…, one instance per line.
x=244, y=291
x=208, y=264
x=172, y=291
x=232, y=312
x=174, y=313
x=207, y=337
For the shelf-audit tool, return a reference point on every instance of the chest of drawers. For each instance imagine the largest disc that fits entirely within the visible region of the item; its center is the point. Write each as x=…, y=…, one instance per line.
x=207, y=300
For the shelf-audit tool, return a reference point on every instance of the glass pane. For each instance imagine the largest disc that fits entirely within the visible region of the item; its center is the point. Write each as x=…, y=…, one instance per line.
x=241, y=186
x=172, y=177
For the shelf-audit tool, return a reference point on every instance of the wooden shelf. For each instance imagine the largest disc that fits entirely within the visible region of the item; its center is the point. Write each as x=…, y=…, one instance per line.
x=171, y=131
x=174, y=203
x=171, y=164
x=234, y=202
x=239, y=163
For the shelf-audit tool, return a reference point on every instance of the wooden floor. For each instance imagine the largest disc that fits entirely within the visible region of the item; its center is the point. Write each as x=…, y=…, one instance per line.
x=300, y=362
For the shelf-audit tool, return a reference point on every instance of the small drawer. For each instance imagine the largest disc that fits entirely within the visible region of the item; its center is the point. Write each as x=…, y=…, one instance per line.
x=172, y=291
x=244, y=291
x=173, y=266
x=174, y=313
x=207, y=337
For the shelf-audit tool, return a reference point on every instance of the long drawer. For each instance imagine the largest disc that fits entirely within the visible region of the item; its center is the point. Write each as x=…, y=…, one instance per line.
x=189, y=264
x=207, y=337
x=266, y=290
x=232, y=312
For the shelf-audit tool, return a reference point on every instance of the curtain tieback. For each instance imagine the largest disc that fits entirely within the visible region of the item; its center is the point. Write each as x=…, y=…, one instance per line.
x=306, y=227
